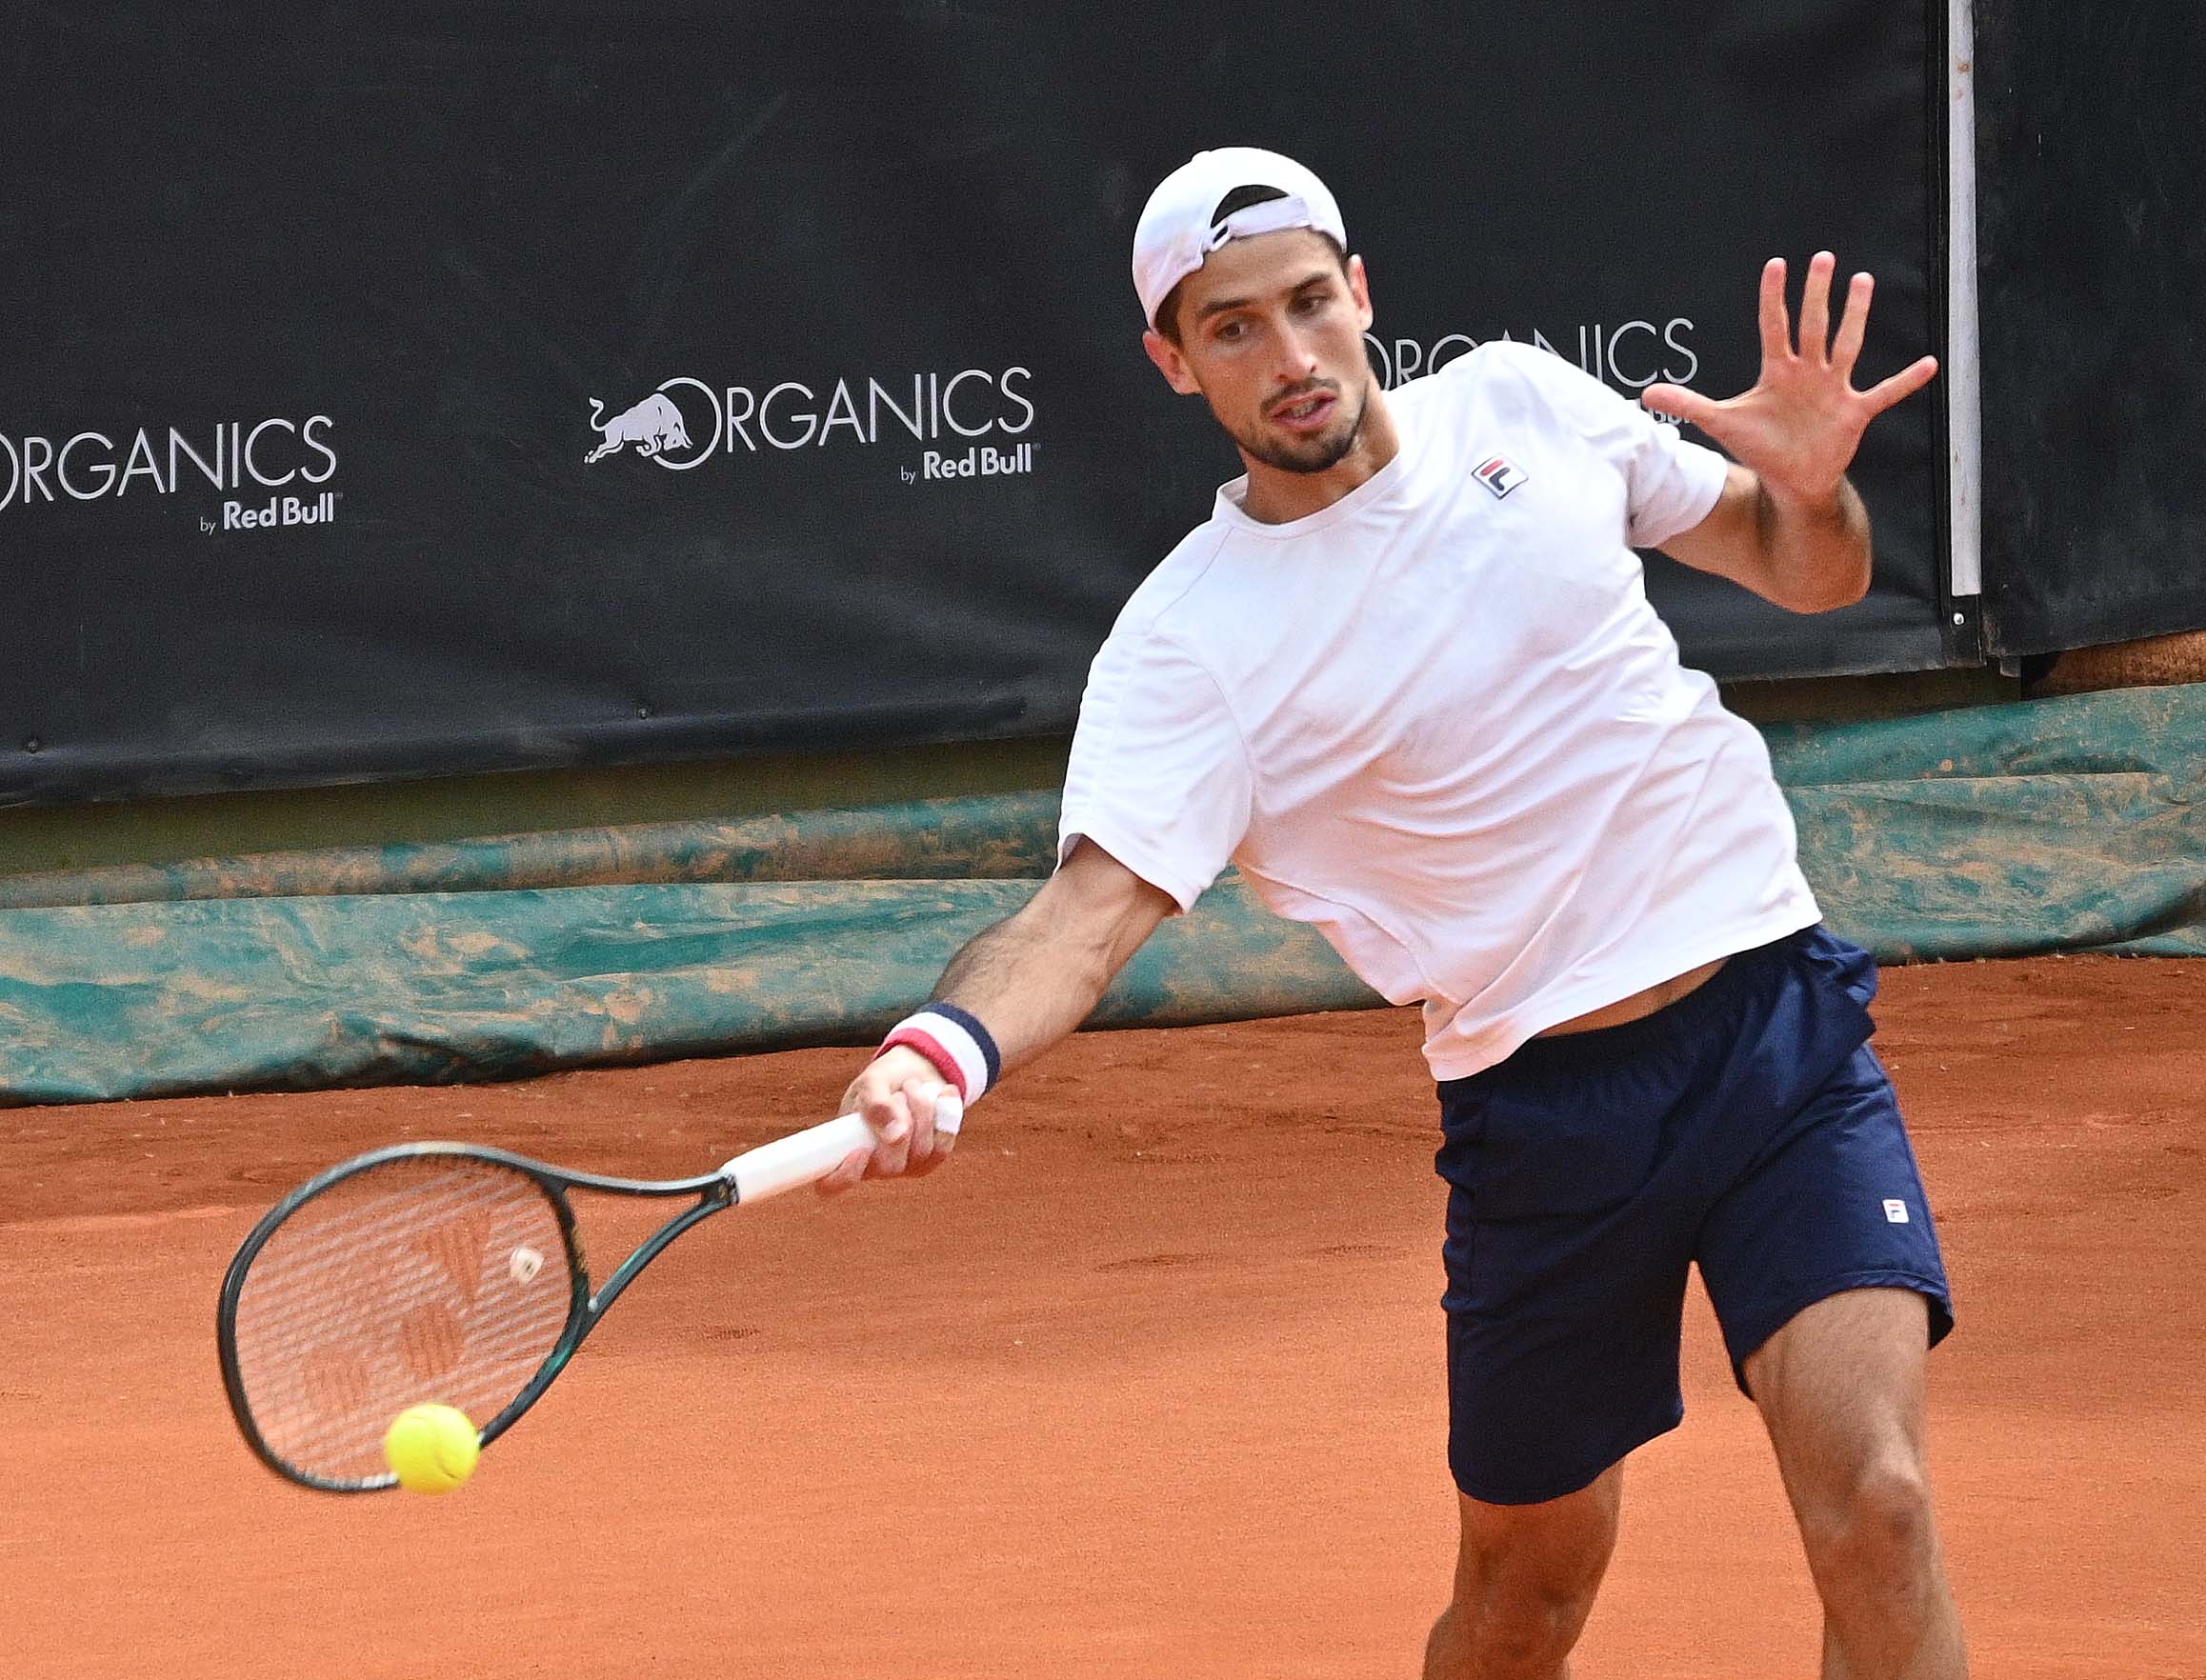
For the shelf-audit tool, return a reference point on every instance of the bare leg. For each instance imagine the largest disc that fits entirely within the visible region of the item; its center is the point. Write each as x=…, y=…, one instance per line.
x=1841, y=1390
x=1525, y=1581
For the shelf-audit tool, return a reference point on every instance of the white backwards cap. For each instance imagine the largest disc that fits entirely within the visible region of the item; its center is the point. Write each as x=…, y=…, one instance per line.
x=1180, y=226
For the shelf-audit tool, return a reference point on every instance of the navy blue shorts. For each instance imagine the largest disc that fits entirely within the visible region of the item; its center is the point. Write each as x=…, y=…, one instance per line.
x=1747, y=1127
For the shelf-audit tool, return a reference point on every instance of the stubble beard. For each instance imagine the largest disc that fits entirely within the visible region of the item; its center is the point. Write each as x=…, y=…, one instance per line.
x=1313, y=454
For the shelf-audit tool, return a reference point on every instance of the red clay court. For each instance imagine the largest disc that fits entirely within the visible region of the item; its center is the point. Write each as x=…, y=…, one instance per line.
x=1148, y=1383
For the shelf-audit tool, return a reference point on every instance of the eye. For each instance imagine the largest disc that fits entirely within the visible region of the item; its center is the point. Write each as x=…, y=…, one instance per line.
x=1229, y=330
x=1311, y=302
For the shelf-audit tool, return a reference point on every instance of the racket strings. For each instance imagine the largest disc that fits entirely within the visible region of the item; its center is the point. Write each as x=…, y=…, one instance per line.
x=421, y=1279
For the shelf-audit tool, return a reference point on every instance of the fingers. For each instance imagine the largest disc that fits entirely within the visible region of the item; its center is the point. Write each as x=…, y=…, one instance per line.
x=1686, y=405
x=949, y=1118
x=875, y=1095
x=847, y=1176
x=1901, y=386
x=934, y=1113
x=899, y=1135
x=1776, y=323
x=948, y=1112
x=1816, y=308
x=1853, y=327
x=1819, y=348
x=916, y=1125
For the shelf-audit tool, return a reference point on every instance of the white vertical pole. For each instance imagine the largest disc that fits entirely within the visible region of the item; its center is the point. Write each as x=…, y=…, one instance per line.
x=1963, y=368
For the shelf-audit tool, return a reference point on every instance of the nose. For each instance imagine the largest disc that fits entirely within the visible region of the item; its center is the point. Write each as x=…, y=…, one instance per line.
x=1297, y=357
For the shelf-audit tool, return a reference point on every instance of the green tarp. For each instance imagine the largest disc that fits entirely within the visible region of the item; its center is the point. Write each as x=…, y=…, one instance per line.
x=2075, y=824
x=2071, y=825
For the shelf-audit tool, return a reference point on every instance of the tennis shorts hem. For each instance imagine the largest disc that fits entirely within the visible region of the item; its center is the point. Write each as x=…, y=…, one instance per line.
x=1493, y=1494
x=1751, y=1337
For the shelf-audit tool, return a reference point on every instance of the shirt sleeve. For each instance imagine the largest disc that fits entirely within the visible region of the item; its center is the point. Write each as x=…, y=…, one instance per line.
x=1671, y=485
x=1159, y=776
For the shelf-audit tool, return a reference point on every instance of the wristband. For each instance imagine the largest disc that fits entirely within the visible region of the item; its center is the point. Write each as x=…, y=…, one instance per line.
x=956, y=1043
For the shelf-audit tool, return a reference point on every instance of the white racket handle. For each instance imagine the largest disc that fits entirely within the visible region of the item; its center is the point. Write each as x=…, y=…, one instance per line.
x=790, y=1163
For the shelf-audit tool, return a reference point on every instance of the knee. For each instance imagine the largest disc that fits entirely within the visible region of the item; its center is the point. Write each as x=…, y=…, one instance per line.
x=1518, y=1615
x=1491, y=1564
x=1876, y=1523
x=1529, y=1633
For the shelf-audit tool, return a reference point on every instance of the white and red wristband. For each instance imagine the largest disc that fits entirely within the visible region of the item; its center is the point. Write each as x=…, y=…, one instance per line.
x=956, y=1043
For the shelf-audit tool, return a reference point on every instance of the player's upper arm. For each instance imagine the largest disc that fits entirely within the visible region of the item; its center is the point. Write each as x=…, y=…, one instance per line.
x=1670, y=485
x=1159, y=777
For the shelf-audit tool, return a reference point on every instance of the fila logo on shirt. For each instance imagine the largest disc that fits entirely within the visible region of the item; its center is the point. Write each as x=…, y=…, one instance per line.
x=1498, y=475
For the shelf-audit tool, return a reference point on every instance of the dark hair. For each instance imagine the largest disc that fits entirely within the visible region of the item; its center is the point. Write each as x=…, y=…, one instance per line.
x=1240, y=198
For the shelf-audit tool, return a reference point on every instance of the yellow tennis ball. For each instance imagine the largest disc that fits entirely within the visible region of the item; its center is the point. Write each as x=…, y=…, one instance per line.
x=433, y=1447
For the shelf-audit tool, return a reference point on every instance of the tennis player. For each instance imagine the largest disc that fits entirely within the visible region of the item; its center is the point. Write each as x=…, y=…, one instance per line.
x=1406, y=676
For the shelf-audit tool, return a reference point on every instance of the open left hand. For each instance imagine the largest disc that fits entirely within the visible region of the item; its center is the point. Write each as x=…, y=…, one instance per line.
x=1802, y=421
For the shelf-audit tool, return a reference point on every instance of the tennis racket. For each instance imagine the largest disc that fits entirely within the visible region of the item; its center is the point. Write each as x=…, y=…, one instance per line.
x=444, y=1272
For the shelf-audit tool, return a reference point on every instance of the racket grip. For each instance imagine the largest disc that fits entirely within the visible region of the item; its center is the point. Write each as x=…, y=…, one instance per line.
x=789, y=1163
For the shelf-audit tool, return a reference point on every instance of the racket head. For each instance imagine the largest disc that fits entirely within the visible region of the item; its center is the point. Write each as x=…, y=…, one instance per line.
x=425, y=1272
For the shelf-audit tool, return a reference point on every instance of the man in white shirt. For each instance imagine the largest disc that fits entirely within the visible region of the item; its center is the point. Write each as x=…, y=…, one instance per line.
x=1407, y=678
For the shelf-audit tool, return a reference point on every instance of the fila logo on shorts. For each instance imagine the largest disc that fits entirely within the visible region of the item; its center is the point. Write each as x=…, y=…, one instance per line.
x=1895, y=1211
x=1498, y=475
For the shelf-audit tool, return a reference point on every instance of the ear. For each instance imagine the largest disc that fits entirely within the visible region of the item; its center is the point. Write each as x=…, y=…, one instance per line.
x=1170, y=361
x=1359, y=288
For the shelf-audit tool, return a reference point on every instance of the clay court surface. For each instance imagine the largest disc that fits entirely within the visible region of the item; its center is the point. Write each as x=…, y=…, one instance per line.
x=1147, y=1383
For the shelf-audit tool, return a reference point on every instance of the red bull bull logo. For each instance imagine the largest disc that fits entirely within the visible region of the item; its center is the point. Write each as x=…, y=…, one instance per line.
x=653, y=424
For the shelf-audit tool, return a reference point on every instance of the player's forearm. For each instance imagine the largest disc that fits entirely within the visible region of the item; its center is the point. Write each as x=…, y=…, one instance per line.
x=1031, y=981
x=1815, y=553
x=1018, y=986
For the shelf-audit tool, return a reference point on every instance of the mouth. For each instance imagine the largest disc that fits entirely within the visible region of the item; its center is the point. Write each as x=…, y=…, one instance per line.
x=1306, y=413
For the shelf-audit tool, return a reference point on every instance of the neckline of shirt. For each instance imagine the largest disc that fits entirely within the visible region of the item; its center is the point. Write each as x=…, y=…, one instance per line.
x=1369, y=492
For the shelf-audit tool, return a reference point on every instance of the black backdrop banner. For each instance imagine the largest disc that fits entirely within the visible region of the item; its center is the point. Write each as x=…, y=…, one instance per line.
x=412, y=390
x=2090, y=202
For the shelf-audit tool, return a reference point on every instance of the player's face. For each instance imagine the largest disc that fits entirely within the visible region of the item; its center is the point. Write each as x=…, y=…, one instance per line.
x=1271, y=332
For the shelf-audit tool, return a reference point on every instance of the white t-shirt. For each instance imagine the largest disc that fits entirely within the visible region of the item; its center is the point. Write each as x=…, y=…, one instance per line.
x=1439, y=720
